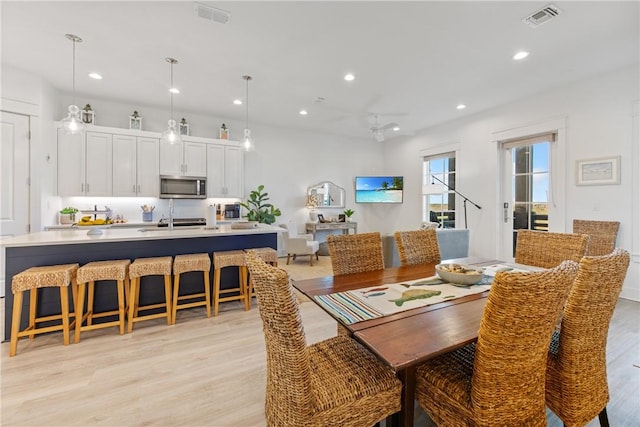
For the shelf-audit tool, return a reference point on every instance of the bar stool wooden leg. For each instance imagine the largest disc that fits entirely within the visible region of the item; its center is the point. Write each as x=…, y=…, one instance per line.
x=91, y=287
x=33, y=303
x=167, y=295
x=174, y=304
x=79, y=311
x=121, y=304
x=64, y=303
x=15, y=322
x=133, y=301
x=207, y=292
x=216, y=290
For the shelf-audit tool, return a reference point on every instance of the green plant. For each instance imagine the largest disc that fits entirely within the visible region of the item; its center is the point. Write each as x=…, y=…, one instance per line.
x=258, y=210
x=348, y=213
x=69, y=210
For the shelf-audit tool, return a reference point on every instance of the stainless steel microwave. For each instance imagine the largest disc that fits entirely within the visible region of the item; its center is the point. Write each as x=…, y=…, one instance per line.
x=183, y=187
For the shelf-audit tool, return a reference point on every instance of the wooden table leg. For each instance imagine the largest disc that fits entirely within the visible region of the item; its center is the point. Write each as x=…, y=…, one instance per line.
x=408, y=378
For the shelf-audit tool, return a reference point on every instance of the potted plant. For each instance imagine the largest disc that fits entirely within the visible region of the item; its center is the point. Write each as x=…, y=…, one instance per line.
x=258, y=210
x=348, y=213
x=67, y=215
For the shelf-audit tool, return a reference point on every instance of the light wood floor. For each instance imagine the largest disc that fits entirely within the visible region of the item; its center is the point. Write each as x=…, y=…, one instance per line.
x=209, y=372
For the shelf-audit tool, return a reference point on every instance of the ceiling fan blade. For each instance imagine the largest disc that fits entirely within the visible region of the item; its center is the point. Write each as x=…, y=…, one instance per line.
x=389, y=126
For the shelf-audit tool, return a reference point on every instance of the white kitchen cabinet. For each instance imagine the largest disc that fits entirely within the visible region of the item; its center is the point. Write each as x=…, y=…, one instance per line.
x=186, y=159
x=71, y=164
x=85, y=164
x=135, y=166
x=225, y=171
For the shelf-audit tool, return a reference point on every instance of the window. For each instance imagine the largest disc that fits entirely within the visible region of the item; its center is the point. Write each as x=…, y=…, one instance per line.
x=438, y=183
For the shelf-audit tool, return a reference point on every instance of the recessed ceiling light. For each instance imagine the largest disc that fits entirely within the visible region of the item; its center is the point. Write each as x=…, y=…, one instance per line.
x=520, y=55
x=95, y=76
x=396, y=128
x=174, y=90
x=461, y=106
x=237, y=102
x=349, y=77
x=303, y=112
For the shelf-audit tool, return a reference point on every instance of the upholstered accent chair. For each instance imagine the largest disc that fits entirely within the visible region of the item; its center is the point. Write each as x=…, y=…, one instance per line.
x=299, y=244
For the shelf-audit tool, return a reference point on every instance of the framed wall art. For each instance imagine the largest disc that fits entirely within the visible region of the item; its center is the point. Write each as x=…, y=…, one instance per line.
x=601, y=171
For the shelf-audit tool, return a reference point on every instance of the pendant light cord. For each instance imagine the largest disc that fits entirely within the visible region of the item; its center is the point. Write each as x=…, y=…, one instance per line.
x=247, y=115
x=171, y=89
x=73, y=72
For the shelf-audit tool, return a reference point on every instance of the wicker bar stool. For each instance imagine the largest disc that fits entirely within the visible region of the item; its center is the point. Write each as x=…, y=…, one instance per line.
x=115, y=270
x=222, y=259
x=158, y=266
x=30, y=280
x=268, y=255
x=185, y=264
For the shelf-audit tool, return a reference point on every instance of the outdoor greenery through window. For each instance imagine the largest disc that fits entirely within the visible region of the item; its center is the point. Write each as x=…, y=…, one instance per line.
x=438, y=201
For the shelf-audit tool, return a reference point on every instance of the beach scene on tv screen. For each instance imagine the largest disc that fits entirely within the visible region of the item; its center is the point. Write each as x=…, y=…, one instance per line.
x=379, y=189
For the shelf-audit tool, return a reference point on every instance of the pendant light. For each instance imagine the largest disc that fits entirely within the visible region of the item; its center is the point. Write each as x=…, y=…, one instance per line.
x=72, y=124
x=247, y=143
x=171, y=135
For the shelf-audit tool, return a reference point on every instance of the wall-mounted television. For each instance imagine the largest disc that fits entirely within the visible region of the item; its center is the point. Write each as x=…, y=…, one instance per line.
x=379, y=189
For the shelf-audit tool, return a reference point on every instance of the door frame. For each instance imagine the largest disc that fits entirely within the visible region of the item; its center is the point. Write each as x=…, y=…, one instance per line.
x=559, y=172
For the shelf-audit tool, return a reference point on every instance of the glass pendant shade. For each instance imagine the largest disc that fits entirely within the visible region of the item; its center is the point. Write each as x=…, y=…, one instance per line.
x=247, y=142
x=72, y=124
x=171, y=135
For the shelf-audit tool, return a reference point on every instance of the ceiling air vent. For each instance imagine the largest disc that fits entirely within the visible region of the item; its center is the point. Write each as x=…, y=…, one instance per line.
x=541, y=16
x=211, y=13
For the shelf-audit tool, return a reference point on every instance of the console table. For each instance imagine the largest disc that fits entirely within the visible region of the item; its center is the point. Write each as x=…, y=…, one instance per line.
x=314, y=227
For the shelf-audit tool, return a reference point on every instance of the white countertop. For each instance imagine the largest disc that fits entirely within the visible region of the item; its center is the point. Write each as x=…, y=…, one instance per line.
x=79, y=235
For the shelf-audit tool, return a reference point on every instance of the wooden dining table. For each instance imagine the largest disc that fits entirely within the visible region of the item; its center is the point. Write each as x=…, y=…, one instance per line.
x=405, y=339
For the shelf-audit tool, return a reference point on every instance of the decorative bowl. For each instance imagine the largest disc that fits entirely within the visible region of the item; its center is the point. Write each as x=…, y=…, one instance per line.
x=459, y=274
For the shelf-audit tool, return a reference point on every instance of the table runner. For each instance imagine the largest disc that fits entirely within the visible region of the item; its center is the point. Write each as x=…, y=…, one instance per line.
x=376, y=301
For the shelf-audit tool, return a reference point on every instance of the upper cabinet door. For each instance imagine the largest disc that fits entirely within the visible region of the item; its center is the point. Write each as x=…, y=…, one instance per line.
x=195, y=159
x=71, y=164
x=234, y=171
x=215, y=171
x=99, y=171
x=124, y=166
x=148, y=167
x=170, y=159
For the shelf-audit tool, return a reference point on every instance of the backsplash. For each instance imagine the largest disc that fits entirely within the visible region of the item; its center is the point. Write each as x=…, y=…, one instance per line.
x=130, y=208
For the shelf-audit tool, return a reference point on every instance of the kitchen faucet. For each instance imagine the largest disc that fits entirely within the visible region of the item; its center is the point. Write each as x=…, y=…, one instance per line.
x=170, y=214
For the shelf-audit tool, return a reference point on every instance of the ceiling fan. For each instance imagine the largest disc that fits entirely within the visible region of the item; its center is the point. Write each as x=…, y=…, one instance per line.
x=377, y=130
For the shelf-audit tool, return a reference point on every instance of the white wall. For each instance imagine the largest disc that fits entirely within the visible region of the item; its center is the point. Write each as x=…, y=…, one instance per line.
x=599, y=113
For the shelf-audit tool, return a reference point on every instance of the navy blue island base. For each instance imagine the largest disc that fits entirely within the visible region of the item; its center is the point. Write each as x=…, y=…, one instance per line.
x=20, y=258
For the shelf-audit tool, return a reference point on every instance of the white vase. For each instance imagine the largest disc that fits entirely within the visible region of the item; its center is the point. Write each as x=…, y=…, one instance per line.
x=313, y=215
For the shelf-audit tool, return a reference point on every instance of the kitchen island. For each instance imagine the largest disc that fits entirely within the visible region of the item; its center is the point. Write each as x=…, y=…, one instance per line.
x=76, y=246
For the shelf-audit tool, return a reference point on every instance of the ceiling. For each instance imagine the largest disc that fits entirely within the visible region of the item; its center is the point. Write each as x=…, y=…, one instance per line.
x=413, y=61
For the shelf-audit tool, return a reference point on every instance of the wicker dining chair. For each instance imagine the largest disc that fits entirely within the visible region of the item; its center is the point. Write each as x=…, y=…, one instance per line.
x=602, y=235
x=355, y=253
x=335, y=382
x=417, y=247
x=547, y=250
x=500, y=380
x=576, y=383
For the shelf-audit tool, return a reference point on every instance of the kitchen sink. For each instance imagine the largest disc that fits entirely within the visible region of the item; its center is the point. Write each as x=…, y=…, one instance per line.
x=175, y=228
